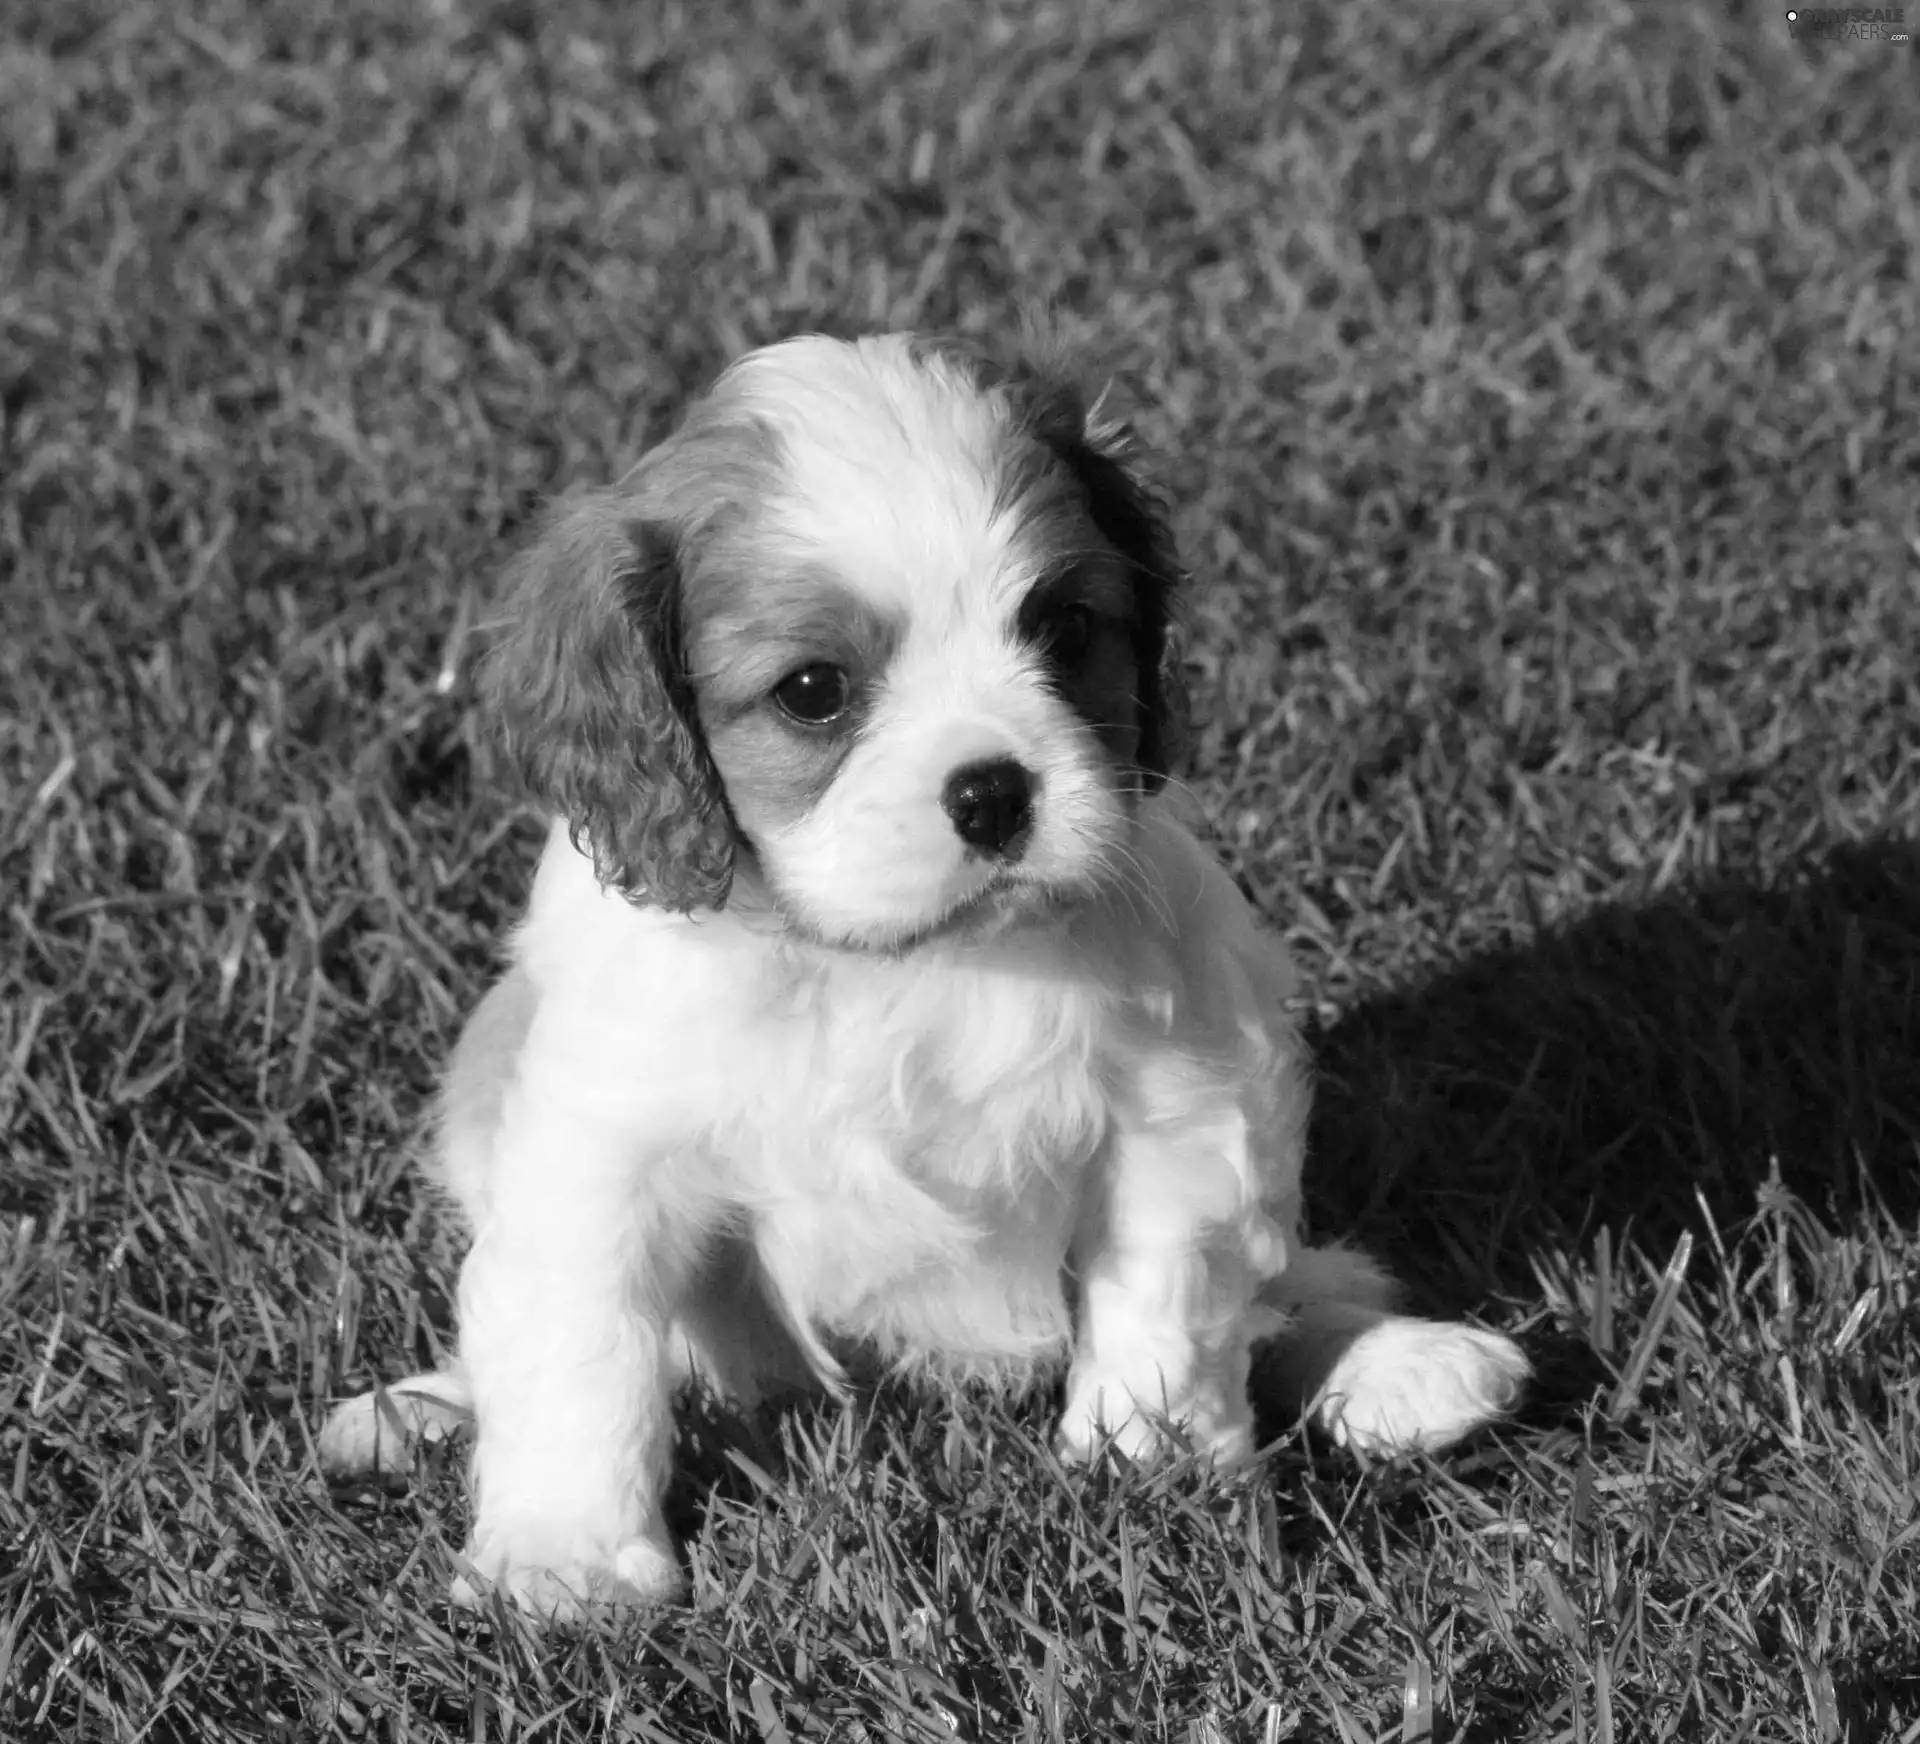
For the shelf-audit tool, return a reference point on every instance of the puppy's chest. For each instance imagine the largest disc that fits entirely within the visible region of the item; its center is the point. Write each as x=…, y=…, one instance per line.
x=922, y=1156
x=969, y=1085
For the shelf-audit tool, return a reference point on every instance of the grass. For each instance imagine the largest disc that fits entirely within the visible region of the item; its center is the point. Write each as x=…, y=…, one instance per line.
x=1539, y=384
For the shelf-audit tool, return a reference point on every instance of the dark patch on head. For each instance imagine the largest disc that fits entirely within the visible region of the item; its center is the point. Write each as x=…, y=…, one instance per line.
x=775, y=772
x=1078, y=618
x=757, y=627
x=757, y=623
x=1101, y=460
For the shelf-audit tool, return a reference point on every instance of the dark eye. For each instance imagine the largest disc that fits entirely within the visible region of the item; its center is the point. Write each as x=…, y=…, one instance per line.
x=815, y=694
x=1065, y=635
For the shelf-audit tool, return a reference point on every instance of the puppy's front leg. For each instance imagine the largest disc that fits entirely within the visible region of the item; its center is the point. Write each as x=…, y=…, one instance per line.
x=565, y=1303
x=1169, y=1256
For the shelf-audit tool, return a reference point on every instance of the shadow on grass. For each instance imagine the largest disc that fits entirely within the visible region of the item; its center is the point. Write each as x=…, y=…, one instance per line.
x=1620, y=1071
x=1867, y=1702
x=1870, y=1699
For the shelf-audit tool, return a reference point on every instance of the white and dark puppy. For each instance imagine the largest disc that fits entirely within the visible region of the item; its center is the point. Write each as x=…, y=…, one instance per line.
x=872, y=994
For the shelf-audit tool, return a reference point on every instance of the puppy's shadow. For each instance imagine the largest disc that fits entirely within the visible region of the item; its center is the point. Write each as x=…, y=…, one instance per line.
x=1621, y=1070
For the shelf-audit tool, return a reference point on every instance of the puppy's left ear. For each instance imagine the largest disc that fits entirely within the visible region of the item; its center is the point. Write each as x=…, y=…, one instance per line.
x=1106, y=460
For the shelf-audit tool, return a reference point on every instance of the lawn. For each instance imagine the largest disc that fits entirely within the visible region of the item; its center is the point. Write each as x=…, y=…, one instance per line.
x=1539, y=384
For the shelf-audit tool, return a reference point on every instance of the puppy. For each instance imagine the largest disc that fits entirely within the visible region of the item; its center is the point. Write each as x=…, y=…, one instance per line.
x=873, y=994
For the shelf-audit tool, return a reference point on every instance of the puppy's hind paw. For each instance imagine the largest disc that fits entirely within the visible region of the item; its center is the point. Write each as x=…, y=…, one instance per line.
x=1419, y=1384
x=377, y=1434
x=568, y=1593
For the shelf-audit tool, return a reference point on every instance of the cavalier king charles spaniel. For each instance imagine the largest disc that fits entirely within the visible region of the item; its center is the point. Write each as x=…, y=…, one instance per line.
x=874, y=996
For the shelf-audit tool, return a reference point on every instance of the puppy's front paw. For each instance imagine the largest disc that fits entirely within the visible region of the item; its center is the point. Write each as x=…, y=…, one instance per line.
x=377, y=1434
x=568, y=1590
x=1104, y=1418
x=1406, y=1384
x=1085, y=1435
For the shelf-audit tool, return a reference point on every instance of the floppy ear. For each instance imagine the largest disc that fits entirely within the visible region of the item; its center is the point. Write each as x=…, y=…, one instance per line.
x=587, y=681
x=1104, y=457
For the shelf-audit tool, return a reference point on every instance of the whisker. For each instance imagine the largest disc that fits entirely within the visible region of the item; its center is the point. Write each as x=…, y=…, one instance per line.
x=1135, y=884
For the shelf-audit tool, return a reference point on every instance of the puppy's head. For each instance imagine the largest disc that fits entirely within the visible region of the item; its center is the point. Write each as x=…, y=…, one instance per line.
x=882, y=628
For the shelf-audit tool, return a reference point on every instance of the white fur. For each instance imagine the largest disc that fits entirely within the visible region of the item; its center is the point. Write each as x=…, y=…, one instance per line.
x=1060, y=1112
x=1405, y=1384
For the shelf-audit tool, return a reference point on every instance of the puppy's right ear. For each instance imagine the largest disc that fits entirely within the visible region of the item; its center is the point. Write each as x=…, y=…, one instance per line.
x=588, y=682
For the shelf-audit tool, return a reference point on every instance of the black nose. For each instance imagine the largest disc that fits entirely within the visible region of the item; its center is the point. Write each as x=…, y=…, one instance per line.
x=991, y=805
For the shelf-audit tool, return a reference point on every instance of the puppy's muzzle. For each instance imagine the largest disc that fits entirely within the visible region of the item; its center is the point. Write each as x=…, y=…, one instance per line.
x=991, y=805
